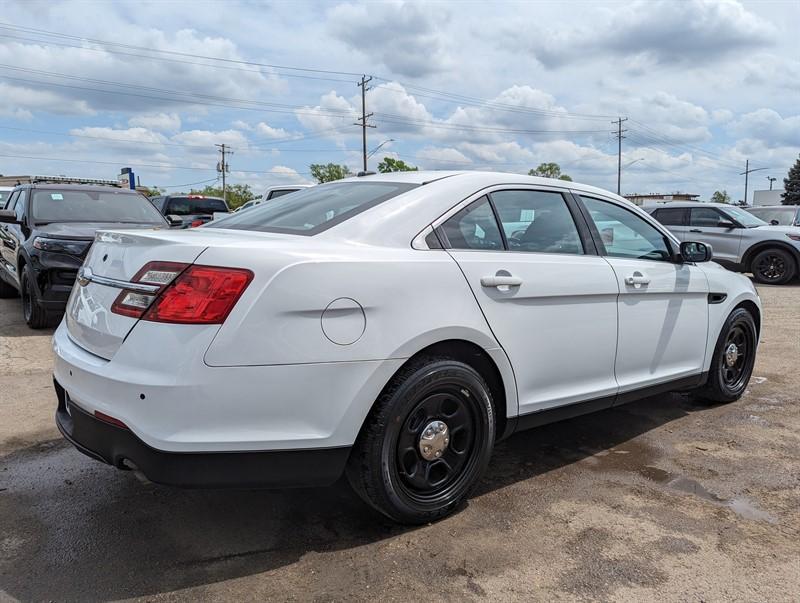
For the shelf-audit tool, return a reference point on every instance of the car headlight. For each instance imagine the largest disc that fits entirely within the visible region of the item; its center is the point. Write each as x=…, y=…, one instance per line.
x=793, y=237
x=61, y=245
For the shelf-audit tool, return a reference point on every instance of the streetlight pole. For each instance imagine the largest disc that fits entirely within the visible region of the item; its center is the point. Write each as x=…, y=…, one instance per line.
x=746, y=174
x=376, y=149
x=771, y=180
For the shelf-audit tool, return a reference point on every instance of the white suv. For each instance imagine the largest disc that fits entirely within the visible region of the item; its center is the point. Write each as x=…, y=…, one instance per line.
x=389, y=327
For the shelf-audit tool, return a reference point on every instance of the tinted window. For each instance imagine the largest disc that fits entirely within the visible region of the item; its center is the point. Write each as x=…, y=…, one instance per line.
x=188, y=206
x=11, y=199
x=93, y=206
x=474, y=227
x=19, y=207
x=670, y=216
x=537, y=221
x=626, y=235
x=705, y=216
x=315, y=209
x=280, y=193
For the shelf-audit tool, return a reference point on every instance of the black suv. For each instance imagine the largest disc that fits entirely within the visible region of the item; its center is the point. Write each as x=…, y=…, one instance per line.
x=193, y=210
x=46, y=231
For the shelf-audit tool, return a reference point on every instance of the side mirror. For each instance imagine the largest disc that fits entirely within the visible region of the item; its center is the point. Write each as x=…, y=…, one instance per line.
x=174, y=220
x=693, y=251
x=726, y=224
x=8, y=217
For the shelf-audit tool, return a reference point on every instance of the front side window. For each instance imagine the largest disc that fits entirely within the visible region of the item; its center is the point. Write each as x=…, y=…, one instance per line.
x=11, y=200
x=19, y=208
x=707, y=217
x=537, y=221
x=111, y=206
x=474, y=227
x=312, y=210
x=626, y=235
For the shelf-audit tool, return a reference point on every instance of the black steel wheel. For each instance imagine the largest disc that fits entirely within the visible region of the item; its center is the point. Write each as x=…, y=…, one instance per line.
x=773, y=266
x=33, y=312
x=734, y=358
x=426, y=442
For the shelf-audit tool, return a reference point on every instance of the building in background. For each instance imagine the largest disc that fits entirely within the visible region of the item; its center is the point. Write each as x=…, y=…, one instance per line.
x=653, y=198
x=767, y=197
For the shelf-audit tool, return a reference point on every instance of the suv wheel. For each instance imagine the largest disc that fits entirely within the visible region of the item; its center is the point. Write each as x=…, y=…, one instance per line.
x=35, y=315
x=426, y=441
x=773, y=266
x=733, y=360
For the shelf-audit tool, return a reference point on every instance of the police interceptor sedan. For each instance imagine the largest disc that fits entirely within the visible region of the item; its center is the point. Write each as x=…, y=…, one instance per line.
x=388, y=327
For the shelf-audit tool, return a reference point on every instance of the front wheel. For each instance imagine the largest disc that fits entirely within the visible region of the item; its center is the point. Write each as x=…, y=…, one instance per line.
x=426, y=442
x=35, y=315
x=733, y=360
x=773, y=267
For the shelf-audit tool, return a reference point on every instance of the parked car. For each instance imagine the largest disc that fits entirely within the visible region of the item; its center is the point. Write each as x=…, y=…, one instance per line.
x=272, y=193
x=46, y=231
x=740, y=240
x=390, y=327
x=193, y=210
x=777, y=215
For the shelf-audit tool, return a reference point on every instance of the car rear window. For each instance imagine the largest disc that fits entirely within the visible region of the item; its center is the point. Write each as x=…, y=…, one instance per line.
x=312, y=210
x=93, y=206
x=190, y=206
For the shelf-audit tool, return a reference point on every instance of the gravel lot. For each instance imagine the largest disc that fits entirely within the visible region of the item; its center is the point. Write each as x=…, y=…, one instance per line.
x=660, y=499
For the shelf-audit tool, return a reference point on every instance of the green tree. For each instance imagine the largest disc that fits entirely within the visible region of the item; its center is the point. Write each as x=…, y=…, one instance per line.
x=330, y=172
x=791, y=185
x=395, y=165
x=153, y=192
x=720, y=197
x=549, y=170
x=236, y=194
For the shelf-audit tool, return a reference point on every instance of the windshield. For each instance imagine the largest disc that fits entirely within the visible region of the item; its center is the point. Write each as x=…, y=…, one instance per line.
x=93, y=206
x=189, y=206
x=744, y=217
x=313, y=210
x=784, y=216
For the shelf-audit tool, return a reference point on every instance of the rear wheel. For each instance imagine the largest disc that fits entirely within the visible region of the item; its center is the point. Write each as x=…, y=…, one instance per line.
x=773, y=267
x=426, y=442
x=35, y=315
x=733, y=360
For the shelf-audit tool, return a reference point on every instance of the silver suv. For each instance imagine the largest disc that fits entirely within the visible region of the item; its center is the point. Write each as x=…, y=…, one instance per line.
x=740, y=240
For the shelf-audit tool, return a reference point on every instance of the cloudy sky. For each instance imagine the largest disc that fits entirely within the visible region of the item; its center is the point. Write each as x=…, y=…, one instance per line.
x=89, y=87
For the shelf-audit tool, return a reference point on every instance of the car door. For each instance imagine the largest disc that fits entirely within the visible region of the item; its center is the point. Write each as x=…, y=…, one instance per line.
x=705, y=225
x=10, y=234
x=663, y=304
x=549, y=299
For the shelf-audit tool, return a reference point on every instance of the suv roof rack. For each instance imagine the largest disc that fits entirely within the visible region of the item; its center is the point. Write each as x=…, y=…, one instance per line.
x=69, y=180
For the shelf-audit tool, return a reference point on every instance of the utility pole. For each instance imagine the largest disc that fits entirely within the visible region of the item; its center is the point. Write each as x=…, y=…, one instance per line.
x=771, y=180
x=362, y=121
x=746, y=174
x=223, y=167
x=619, y=151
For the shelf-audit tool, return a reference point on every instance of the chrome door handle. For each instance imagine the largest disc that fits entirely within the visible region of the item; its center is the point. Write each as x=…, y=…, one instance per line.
x=695, y=230
x=637, y=279
x=501, y=281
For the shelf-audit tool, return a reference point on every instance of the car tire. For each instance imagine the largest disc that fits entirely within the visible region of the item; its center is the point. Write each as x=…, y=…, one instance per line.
x=773, y=266
x=35, y=315
x=732, y=367
x=7, y=291
x=388, y=467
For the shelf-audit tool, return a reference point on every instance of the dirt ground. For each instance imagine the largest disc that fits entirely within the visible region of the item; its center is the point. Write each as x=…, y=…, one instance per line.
x=662, y=499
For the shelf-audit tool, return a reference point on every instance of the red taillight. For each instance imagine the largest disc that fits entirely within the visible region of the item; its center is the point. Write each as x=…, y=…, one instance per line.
x=200, y=295
x=188, y=294
x=196, y=223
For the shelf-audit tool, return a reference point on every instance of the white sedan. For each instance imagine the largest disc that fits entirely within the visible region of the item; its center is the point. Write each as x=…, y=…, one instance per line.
x=390, y=327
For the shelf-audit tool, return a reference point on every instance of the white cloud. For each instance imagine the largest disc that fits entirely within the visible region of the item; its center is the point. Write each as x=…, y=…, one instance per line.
x=206, y=139
x=264, y=129
x=769, y=127
x=163, y=122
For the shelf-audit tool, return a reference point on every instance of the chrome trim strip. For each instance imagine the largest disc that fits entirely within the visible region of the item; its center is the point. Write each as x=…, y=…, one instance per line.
x=86, y=276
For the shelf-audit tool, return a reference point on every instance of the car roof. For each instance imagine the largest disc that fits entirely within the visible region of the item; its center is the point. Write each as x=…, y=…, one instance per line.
x=791, y=207
x=78, y=187
x=682, y=204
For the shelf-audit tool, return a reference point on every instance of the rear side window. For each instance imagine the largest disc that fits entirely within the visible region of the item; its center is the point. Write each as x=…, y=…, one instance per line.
x=280, y=193
x=537, y=221
x=313, y=210
x=673, y=216
x=474, y=227
x=705, y=216
x=188, y=206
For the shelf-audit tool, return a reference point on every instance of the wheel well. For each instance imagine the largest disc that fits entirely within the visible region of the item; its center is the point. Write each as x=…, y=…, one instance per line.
x=753, y=309
x=476, y=357
x=758, y=247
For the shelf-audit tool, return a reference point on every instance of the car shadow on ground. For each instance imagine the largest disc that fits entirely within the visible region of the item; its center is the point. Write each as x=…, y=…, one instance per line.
x=76, y=529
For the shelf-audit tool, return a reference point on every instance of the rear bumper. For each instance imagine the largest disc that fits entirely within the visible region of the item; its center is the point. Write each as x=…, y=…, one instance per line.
x=119, y=447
